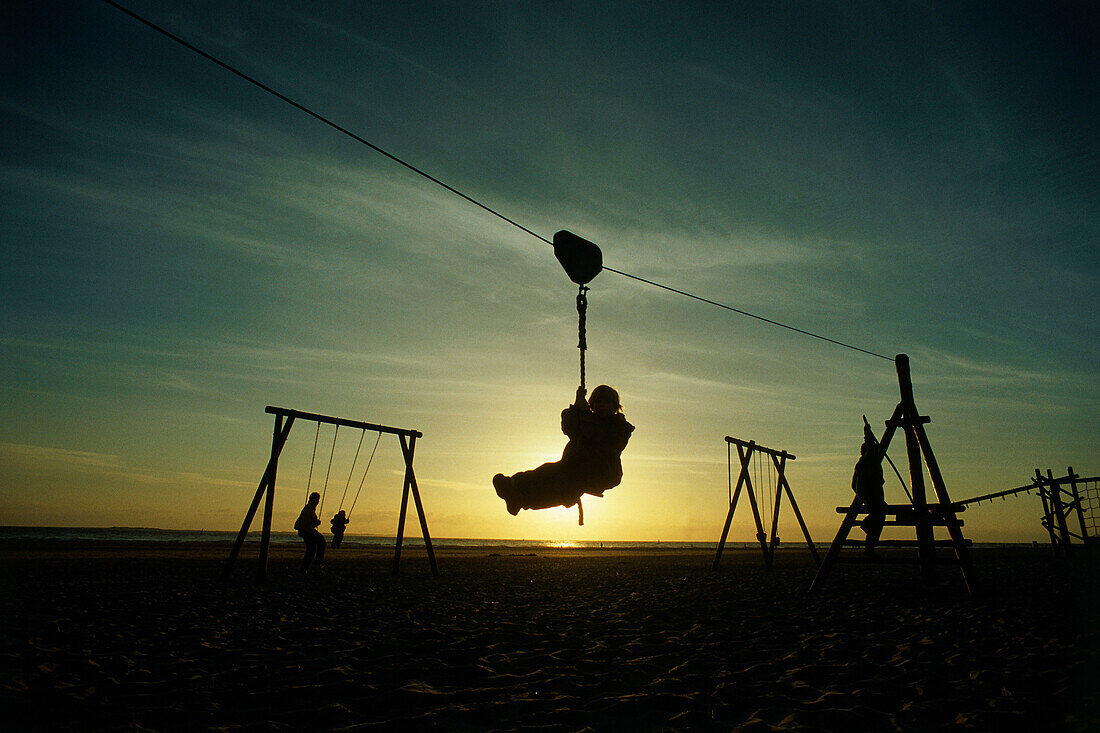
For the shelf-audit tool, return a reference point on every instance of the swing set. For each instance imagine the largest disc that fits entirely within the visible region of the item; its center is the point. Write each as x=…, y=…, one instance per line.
x=284, y=421
x=749, y=455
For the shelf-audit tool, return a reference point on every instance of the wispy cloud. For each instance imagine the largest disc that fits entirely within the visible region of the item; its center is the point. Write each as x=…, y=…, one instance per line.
x=35, y=459
x=59, y=457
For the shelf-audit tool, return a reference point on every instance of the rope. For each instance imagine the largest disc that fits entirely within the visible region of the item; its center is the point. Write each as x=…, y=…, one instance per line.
x=884, y=454
x=312, y=459
x=365, y=471
x=362, y=434
x=324, y=491
x=746, y=313
x=455, y=191
x=898, y=474
x=582, y=311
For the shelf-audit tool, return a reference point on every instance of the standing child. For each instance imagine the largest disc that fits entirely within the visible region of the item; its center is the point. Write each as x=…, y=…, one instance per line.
x=590, y=464
x=867, y=482
x=339, y=523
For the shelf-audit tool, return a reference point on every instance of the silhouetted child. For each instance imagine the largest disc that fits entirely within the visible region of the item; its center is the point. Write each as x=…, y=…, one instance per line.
x=306, y=525
x=590, y=464
x=867, y=483
x=339, y=523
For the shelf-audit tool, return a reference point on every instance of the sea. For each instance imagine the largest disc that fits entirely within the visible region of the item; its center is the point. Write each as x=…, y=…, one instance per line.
x=149, y=534
x=9, y=535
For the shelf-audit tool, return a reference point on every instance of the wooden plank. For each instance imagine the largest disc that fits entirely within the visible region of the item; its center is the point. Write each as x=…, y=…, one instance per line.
x=762, y=449
x=893, y=509
x=330, y=420
x=904, y=543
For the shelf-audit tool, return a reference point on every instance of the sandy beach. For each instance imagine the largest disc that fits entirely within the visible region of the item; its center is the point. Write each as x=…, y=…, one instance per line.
x=100, y=636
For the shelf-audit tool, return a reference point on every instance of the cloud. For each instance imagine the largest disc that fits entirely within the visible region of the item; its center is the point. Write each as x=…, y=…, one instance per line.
x=35, y=459
x=47, y=458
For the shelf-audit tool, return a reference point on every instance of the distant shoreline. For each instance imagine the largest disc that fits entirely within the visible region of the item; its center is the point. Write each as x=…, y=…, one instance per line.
x=23, y=534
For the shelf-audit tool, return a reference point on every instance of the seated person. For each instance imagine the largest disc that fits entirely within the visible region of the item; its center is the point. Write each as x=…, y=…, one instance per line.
x=339, y=523
x=306, y=524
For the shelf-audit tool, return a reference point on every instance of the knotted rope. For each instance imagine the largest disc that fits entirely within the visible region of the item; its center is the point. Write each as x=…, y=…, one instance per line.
x=582, y=309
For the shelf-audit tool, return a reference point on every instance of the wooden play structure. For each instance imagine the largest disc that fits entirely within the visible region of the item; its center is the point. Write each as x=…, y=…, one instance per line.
x=920, y=514
x=284, y=421
x=746, y=452
x=1068, y=501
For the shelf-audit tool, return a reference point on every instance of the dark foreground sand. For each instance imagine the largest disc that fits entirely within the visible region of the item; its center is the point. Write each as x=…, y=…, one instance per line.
x=149, y=638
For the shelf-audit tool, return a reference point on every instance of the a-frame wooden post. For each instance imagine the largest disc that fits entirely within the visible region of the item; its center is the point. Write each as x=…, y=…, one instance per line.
x=267, y=484
x=782, y=484
x=921, y=515
x=745, y=449
x=407, y=448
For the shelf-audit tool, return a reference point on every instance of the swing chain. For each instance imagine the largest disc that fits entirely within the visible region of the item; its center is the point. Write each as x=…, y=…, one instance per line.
x=582, y=309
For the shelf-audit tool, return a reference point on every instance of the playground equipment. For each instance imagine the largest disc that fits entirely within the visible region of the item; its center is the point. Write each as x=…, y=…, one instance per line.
x=1064, y=499
x=284, y=421
x=746, y=452
x=920, y=514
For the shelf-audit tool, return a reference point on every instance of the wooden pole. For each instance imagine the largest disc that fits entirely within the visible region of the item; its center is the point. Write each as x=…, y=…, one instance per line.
x=774, y=539
x=265, y=532
x=1060, y=513
x=948, y=511
x=760, y=536
x=401, y=517
x=729, y=515
x=838, y=543
x=1048, y=511
x=925, y=547
x=278, y=440
x=798, y=515
x=407, y=451
x=1072, y=478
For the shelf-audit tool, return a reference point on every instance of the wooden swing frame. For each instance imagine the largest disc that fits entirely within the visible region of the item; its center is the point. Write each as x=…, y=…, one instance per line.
x=779, y=458
x=284, y=421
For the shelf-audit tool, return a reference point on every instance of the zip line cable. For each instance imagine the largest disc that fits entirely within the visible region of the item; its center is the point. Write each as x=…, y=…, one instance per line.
x=339, y=128
x=745, y=313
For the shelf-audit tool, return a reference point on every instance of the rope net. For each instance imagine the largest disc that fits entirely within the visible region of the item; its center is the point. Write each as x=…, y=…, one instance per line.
x=1089, y=491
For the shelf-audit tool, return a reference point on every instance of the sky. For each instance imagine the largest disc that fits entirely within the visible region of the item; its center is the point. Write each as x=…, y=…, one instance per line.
x=180, y=249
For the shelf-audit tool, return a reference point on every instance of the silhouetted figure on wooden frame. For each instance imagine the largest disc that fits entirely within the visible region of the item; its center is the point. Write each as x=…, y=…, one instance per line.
x=339, y=523
x=306, y=525
x=867, y=482
x=590, y=464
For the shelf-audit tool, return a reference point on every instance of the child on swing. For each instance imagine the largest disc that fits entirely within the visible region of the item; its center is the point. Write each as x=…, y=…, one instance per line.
x=598, y=432
x=339, y=523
